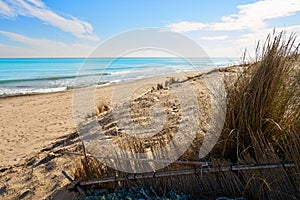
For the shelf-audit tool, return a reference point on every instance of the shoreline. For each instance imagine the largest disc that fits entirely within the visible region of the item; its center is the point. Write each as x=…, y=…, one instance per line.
x=113, y=83
x=51, y=80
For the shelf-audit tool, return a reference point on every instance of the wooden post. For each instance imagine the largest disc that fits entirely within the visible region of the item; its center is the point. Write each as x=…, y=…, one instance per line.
x=74, y=183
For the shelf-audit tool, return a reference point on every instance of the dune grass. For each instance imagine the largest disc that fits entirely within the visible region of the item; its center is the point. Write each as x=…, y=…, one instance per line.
x=263, y=103
x=262, y=119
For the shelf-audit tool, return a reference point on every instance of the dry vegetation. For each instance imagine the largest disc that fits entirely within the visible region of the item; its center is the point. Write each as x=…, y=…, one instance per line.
x=263, y=103
x=262, y=122
x=262, y=127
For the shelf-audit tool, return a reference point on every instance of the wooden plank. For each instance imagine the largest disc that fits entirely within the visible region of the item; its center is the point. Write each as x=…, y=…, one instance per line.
x=187, y=172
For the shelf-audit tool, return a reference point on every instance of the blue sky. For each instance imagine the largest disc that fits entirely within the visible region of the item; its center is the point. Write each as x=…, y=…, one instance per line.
x=64, y=28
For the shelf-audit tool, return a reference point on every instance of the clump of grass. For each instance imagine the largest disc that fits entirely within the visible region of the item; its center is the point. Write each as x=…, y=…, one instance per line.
x=102, y=108
x=87, y=167
x=263, y=103
x=262, y=119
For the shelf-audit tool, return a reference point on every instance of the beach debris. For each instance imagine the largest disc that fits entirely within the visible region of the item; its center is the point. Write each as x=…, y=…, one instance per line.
x=102, y=108
x=159, y=86
x=171, y=81
x=140, y=97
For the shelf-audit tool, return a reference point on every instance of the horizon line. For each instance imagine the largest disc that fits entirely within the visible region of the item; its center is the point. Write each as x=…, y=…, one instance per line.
x=79, y=57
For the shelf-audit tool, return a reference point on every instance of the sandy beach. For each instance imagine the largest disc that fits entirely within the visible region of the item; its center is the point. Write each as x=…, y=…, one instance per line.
x=31, y=122
x=35, y=130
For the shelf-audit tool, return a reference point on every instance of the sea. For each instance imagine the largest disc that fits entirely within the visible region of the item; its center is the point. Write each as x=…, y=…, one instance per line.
x=19, y=76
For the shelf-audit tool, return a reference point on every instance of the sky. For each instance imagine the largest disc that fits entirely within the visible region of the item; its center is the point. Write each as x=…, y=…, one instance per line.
x=73, y=28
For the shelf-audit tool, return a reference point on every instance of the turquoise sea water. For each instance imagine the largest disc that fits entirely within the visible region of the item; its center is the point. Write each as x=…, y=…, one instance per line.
x=40, y=75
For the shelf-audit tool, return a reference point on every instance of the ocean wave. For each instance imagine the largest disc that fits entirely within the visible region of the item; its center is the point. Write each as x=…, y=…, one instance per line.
x=52, y=78
x=23, y=91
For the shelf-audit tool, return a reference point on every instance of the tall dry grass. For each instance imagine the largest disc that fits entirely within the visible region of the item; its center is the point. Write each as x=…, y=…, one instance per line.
x=262, y=127
x=262, y=120
x=263, y=103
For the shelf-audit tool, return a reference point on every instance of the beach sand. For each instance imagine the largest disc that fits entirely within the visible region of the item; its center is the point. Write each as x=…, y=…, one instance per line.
x=36, y=130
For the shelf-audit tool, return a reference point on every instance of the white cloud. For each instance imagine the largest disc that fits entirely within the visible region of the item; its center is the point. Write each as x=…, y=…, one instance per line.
x=241, y=30
x=33, y=47
x=38, y=3
x=253, y=16
x=5, y=10
x=37, y=9
x=250, y=40
x=186, y=26
x=249, y=17
x=222, y=37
